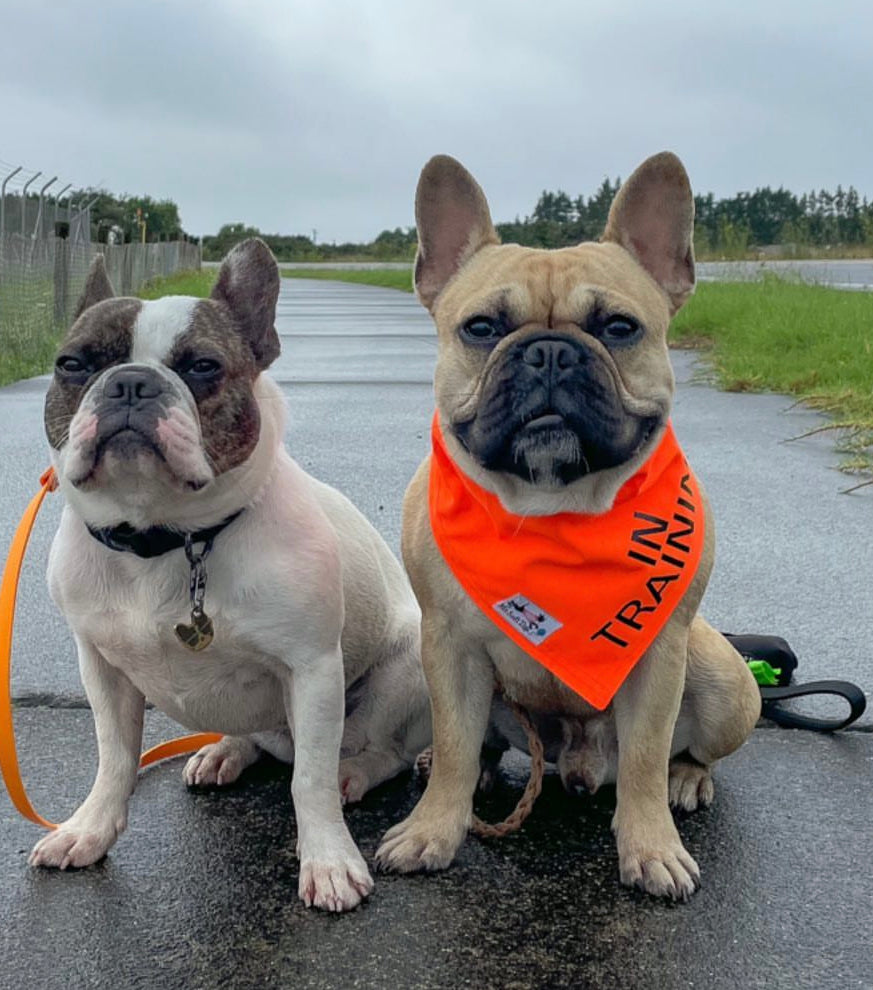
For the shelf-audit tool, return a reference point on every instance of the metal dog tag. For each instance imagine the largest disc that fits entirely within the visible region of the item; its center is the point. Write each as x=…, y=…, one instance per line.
x=199, y=634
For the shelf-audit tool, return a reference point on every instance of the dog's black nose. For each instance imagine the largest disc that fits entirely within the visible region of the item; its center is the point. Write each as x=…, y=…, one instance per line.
x=131, y=386
x=551, y=354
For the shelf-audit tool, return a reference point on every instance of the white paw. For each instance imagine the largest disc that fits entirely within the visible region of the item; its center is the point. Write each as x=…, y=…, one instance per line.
x=662, y=869
x=75, y=846
x=691, y=786
x=219, y=764
x=335, y=883
x=420, y=843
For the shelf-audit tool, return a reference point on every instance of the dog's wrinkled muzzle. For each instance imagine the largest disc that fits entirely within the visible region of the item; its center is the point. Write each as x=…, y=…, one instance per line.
x=551, y=411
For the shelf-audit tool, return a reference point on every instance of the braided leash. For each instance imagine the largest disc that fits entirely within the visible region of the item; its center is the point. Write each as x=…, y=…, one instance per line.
x=532, y=789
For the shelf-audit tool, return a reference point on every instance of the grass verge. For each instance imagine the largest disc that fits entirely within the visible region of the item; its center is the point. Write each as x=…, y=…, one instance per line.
x=27, y=335
x=186, y=283
x=811, y=342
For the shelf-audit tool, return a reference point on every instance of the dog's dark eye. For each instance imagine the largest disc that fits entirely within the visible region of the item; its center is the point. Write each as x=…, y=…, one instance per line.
x=620, y=330
x=203, y=368
x=69, y=365
x=480, y=330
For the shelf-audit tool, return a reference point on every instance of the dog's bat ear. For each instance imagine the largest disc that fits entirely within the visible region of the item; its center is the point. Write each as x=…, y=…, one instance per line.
x=652, y=217
x=453, y=222
x=97, y=287
x=248, y=284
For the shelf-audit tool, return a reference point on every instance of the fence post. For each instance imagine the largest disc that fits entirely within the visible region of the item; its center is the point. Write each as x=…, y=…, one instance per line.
x=35, y=175
x=61, y=279
x=58, y=199
x=3, y=205
x=37, y=227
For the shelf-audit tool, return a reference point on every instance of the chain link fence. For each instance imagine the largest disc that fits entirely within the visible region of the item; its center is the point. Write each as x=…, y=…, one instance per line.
x=45, y=253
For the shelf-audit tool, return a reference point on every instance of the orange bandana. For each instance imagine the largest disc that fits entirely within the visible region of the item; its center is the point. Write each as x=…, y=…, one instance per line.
x=585, y=595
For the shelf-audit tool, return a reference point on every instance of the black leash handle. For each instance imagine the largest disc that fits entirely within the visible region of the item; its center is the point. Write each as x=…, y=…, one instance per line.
x=851, y=693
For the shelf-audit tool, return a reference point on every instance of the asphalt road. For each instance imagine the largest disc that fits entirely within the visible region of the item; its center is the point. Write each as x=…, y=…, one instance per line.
x=201, y=891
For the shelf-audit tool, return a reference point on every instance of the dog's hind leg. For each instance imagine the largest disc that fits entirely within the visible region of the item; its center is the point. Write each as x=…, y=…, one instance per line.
x=387, y=728
x=720, y=707
x=221, y=763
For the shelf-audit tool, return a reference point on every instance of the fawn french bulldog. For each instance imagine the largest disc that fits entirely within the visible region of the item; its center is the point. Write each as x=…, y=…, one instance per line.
x=556, y=539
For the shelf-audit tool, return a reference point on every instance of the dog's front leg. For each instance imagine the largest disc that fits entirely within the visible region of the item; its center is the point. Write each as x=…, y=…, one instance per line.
x=650, y=853
x=333, y=874
x=118, y=708
x=461, y=684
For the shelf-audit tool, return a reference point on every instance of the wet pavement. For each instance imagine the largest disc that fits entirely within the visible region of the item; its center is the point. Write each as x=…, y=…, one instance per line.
x=200, y=892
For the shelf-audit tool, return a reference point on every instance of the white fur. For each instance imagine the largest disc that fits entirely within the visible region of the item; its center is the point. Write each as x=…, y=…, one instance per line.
x=159, y=324
x=306, y=599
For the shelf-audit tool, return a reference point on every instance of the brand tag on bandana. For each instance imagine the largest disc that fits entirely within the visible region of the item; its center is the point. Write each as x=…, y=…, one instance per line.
x=585, y=595
x=528, y=618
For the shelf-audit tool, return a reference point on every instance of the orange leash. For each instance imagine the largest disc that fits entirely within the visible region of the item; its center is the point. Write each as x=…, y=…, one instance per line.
x=8, y=594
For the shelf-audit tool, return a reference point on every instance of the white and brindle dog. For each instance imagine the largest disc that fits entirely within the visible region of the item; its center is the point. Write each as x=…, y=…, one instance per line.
x=167, y=440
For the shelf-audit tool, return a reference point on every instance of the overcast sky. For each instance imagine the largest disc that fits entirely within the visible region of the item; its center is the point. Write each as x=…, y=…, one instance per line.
x=296, y=116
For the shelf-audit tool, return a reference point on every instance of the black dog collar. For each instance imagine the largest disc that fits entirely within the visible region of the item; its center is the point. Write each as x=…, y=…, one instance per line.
x=155, y=540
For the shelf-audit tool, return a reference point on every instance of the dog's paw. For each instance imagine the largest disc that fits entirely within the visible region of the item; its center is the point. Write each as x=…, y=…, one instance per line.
x=335, y=883
x=419, y=843
x=662, y=869
x=691, y=785
x=72, y=846
x=219, y=764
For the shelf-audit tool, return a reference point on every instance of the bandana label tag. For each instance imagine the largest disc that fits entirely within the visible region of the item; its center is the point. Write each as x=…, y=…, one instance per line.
x=534, y=623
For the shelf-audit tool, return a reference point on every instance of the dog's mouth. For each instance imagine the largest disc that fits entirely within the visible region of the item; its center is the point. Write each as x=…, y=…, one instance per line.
x=545, y=421
x=126, y=443
x=129, y=449
x=554, y=449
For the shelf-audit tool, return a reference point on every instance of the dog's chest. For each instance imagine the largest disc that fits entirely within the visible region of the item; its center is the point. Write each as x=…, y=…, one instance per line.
x=232, y=686
x=521, y=678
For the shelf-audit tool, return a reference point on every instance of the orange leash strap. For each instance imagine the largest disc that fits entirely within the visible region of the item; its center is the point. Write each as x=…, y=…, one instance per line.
x=8, y=594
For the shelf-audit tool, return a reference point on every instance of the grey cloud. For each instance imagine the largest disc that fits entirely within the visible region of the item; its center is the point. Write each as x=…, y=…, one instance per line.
x=292, y=116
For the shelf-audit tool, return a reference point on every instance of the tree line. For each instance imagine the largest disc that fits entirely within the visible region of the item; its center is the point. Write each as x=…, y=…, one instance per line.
x=133, y=218
x=391, y=245
x=729, y=227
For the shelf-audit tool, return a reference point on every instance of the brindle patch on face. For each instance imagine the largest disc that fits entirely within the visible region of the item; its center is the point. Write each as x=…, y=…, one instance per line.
x=229, y=418
x=101, y=337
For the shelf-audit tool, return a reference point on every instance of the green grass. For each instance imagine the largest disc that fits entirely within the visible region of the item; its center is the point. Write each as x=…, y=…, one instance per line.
x=388, y=278
x=803, y=340
x=187, y=283
x=28, y=338
x=807, y=341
